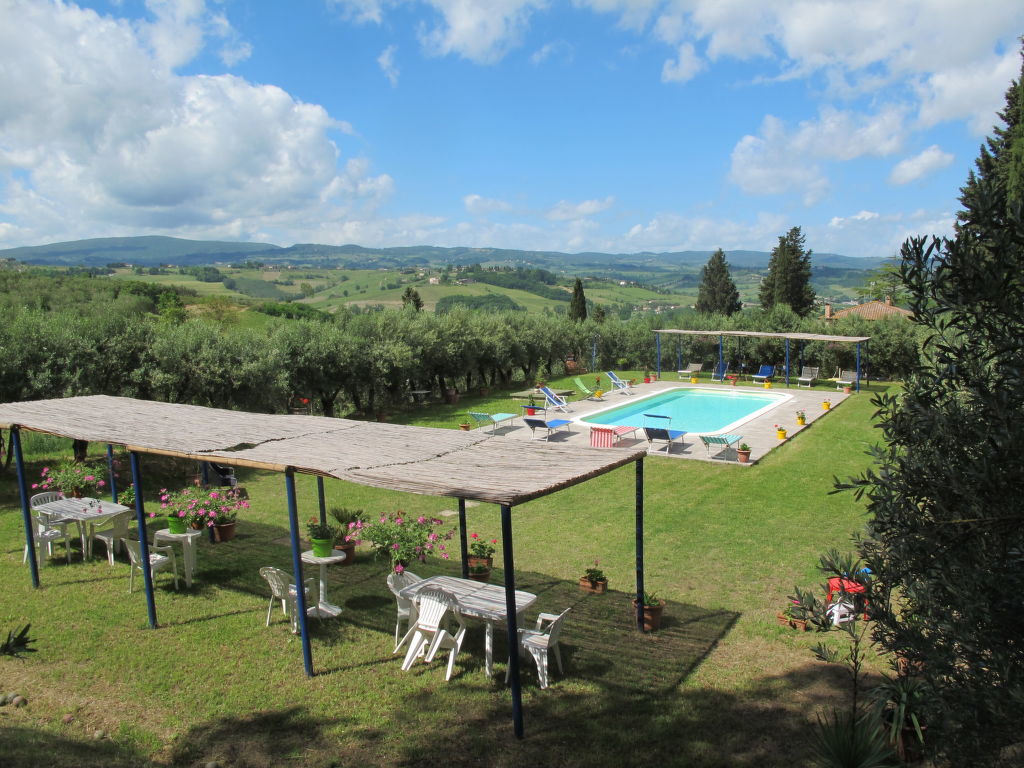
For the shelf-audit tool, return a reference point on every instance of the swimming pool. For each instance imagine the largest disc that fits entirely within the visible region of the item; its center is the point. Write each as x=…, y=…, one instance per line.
x=701, y=411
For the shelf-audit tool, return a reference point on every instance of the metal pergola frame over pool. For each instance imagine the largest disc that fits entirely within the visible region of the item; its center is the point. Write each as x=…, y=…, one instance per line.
x=439, y=462
x=801, y=337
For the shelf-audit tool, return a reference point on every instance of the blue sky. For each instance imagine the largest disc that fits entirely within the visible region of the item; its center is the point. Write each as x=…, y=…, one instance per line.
x=608, y=125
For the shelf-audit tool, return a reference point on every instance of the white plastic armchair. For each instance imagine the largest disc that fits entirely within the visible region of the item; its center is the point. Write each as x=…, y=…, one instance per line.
x=160, y=559
x=432, y=631
x=111, y=537
x=541, y=641
x=46, y=534
x=406, y=608
x=283, y=589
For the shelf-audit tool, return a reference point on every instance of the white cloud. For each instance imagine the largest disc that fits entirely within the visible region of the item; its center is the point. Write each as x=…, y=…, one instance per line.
x=361, y=11
x=104, y=139
x=550, y=50
x=386, y=60
x=780, y=160
x=913, y=168
x=481, y=206
x=566, y=211
x=671, y=232
x=684, y=67
x=480, y=32
x=877, y=235
x=839, y=221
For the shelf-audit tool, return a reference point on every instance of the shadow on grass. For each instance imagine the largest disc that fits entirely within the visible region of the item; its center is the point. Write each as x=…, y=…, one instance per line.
x=24, y=747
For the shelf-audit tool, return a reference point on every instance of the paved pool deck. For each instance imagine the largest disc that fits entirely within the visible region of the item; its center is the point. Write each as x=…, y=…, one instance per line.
x=759, y=432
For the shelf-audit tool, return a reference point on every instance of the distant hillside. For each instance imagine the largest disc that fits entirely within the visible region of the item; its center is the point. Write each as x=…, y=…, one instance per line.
x=155, y=250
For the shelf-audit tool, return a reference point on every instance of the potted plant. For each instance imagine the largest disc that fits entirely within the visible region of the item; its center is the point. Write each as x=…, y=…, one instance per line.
x=801, y=418
x=481, y=552
x=743, y=453
x=898, y=703
x=780, y=432
x=594, y=580
x=480, y=573
x=788, y=617
x=826, y=404
x=224, y=504
x=647, y=377
x=465, y=427
x=345, y=538
x=531, y=407
x=653, y=608
x=321, y=537
x=72, y=479
x=404, y=539
x=194, y=507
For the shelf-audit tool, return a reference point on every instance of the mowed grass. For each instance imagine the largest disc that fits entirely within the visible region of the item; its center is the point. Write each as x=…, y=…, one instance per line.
x=721, y=685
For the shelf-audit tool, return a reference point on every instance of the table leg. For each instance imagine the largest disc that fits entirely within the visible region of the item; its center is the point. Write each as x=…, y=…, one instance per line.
x=188, y=553
x=323, y=583
x=489, y=649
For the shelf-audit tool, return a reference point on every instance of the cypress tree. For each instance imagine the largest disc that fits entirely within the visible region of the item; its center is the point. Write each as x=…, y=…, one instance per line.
x=411, y=298
x=578, y=303
x=789, y=275
x=717, y=293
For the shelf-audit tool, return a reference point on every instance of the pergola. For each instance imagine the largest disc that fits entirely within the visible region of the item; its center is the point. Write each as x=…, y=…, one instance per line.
x=423, y=460
x=801, y=337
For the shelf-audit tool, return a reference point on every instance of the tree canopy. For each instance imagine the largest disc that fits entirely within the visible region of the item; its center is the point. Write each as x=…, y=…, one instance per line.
x=717, y=293
x=789, y=275
x=578, y=303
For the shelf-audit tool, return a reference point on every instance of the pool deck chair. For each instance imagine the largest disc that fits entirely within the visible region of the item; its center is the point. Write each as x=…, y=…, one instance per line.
x=587, y=393
x=554, y=401
x=719, y=373
x=764, y=374
x=808, y=375
x=720, y=443
x=494, y=419
x=846, y=379
x=548, y=426
x=691, y=370
x=620, y=386
x=609, y=437
x=657, y=428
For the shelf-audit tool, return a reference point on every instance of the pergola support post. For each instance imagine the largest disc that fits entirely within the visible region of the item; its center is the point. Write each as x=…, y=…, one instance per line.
x=657, y=340
x=858, y=366
x=463, y=546
x=26, y=514
x=640, y=545
x=140, y=519
x=300, y=584
x=721, y=354
x=510, y=613
x=787, y=363
x=593, y=354
x=111, y=473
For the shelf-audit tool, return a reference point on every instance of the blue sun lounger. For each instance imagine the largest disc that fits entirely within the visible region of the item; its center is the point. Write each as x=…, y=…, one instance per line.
x=657, y=427
x=619, y=384
x=548, y=426
x=554, y=401
x=766, y=372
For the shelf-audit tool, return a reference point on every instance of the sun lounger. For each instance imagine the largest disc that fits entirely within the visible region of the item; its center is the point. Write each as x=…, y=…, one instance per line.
x=846, y=379
x=764, y=374
x=619, y=385
x=608, y=437
x=719, y=373
x=720, y=443
x=493, y=419
x=587, y=393
x=691, y=370
x=554, y=401
x=548, y=426
x=657, y=427
x=808, y=375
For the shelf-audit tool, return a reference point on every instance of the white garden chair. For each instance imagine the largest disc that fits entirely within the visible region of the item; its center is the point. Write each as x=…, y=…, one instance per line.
x=160, y=559
x=539, y=642
x=112, y=536
x=431, y=630
x=283, y=589
x=46, y=534
x=406, y=607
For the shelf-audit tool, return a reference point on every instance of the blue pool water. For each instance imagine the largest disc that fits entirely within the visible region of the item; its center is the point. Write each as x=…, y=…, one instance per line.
x=705, y=411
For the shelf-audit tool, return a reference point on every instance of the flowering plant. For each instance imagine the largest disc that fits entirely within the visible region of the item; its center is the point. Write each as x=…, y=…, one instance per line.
x=594, y=574
x=71, y=479
x=203, y=507
x=480, y=548
x=317, y=530
x=801, y=415
x=403, y=539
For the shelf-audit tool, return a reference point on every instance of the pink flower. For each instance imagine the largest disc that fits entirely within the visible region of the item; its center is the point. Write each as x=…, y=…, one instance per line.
x=398, y=521
x=421, y=519
x=444, y=556
x=399, y=568
x=45, y=470
x=474, y=535
x=395, y=546
x=101, y=483
x=89, y=478
x=494, y=541
x=35, y=485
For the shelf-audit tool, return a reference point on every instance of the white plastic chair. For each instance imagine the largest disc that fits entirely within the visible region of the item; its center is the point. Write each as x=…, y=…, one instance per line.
x=160, y=559
x=46, y=533
x=430, y=630
x=542, y=640
x=406, y=607
x=112, y=536
x=841, y=611
x=282, y=588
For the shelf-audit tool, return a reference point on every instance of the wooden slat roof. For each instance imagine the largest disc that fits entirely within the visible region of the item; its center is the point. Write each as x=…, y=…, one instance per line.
x=425, y=460
x=762, y=334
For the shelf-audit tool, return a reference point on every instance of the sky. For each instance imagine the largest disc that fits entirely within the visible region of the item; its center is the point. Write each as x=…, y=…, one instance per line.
x=562, y=125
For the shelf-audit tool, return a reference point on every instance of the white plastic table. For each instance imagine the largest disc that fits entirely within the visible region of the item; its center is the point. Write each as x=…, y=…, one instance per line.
x=86, y=513
x=477, y=599
x=188, y=541
x=323, y=609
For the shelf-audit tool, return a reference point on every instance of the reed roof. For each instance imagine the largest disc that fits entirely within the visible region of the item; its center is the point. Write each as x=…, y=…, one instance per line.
x=424, y=460
x=762, y=334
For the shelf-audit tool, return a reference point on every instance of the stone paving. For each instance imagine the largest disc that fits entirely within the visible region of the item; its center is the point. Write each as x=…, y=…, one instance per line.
x=759, y=433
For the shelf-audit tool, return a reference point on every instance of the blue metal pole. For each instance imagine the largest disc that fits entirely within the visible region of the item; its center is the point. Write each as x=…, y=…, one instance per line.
x=510, y=613
x=110, y=471
x=300, y=584
x=721, y=356
x=679, y=354
x=787, y=362
x=322, y=499
x=858, y=366
x=657, y=340
x=640, y=545
x=26, y=514
x=462, y=538
x=593, y=354
x=140, y=518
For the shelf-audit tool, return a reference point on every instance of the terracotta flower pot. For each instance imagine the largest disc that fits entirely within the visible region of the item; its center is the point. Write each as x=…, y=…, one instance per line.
x=475, y=560
x=464, y=427
x=652, y=615
x=224, y=532
x=743, y=457
x=350, y=552
x=594, y=587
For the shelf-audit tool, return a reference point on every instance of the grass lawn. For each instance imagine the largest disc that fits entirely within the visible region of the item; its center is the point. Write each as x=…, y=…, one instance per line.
x=721, y=685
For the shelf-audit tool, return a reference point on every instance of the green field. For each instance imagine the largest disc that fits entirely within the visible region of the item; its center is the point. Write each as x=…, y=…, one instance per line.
x=721, y=685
